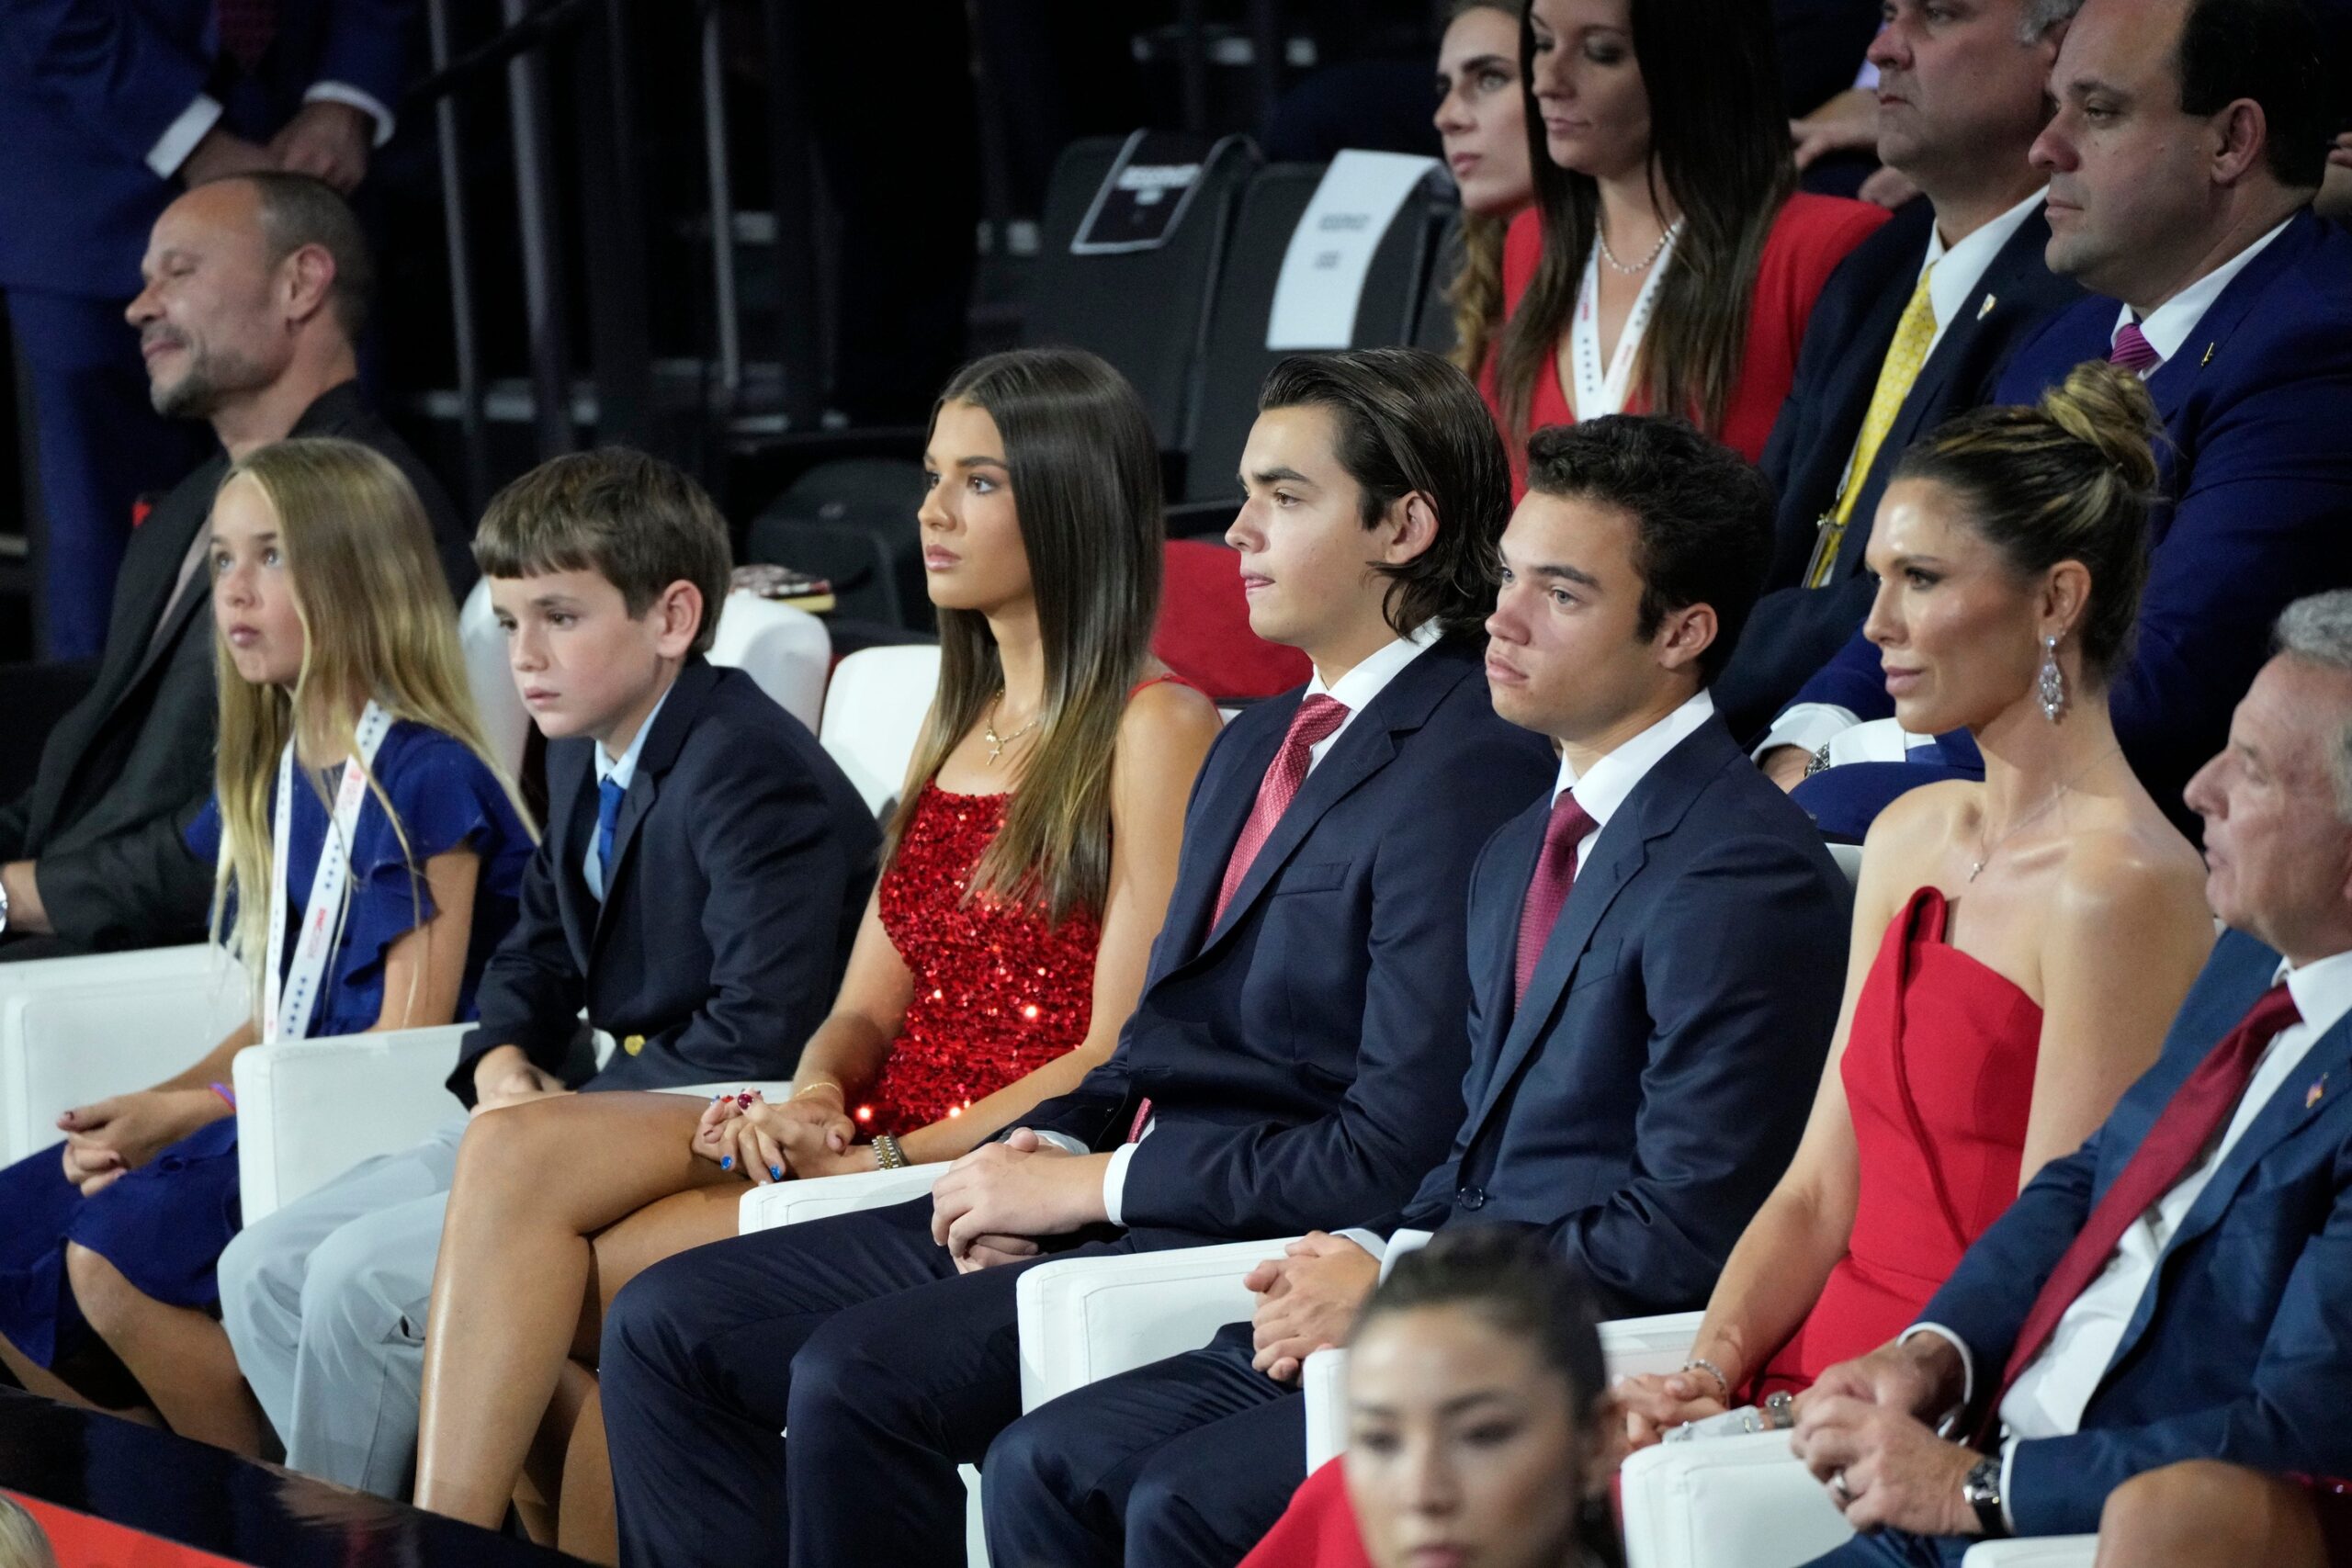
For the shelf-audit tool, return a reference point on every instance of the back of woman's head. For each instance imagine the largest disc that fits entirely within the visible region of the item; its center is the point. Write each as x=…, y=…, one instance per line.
x=23, y=1543
x=2070, y=479
x=1508, y=1277
x=1720, y=144
x=1084, y=471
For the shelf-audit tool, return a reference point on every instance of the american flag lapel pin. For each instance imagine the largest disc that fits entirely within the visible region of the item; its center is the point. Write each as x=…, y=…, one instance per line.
x=1985, y=309
x=2311, y=1094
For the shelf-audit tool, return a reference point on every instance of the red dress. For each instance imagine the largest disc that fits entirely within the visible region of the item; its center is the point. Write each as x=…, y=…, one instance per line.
x=1810, y=237
x=1939, y=1076
x=998, y=991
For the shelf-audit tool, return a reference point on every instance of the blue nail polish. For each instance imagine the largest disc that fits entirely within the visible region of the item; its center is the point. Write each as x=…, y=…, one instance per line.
x=776, y=1171
x=726, y=1164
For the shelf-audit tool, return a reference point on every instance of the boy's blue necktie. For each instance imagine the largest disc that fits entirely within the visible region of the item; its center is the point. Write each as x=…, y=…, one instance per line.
x=608, y=811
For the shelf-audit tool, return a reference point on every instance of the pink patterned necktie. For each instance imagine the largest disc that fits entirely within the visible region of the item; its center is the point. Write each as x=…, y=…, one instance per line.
x=1547, y=890
x=246, y=28
x=1313, y=723
x=2133, y=350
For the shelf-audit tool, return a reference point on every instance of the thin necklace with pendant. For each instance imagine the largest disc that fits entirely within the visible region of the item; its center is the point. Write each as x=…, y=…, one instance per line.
x=1985, y=850
x=997, y=743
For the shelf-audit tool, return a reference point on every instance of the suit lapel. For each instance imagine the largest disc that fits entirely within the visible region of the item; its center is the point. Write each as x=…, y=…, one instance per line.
x=1217, y=822
x=572, y=817
x=678, y=709
x=2178, y=377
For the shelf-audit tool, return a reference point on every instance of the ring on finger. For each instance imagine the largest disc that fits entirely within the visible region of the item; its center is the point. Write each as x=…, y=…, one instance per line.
x=1837, y=1485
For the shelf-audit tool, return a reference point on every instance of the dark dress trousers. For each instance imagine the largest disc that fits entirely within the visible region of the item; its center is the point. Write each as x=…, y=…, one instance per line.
x=1298, y=1058
x=1794, y=630
x=125, y=772
x=742, y=862
x=2258, y=477
x=1636, y=1108
x=2236, y=1350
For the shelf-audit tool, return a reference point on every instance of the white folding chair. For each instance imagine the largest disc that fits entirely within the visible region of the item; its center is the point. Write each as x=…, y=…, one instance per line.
x=505, y=723
x=786, y=650
x=2035, y=1552
x=874, y=712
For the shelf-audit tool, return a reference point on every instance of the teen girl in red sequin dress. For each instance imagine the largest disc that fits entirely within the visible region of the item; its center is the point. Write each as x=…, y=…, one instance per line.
x=1029, y=867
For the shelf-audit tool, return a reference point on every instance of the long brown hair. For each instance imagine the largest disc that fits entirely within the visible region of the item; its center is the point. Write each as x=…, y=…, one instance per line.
x=1719, y=147
x=1475, y=295
x=1084, y=468
x=376, y=618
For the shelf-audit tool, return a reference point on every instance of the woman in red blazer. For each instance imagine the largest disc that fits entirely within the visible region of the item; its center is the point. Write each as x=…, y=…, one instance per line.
x=1669, y=262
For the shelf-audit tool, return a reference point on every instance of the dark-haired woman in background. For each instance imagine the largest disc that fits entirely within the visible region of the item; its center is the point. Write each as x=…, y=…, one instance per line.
x=1668, y=264
x=1482, y=119
x=1474, y=1423
x=1028, y=870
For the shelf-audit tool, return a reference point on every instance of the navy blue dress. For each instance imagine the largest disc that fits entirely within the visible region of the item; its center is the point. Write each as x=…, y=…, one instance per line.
x=164, y=1224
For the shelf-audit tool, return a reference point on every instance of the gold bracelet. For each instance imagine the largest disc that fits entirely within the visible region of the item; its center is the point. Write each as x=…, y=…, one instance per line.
x=821, y=1083
x=887, y=1153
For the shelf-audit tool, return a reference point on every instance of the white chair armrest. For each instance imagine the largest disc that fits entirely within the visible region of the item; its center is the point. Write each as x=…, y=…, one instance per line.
x=1083, y=1319
x=791, y=1203
x=75, y=1030
x=1728, y=1502
x=2035, y=1552
x=1630, y=1346
x=296, y=1126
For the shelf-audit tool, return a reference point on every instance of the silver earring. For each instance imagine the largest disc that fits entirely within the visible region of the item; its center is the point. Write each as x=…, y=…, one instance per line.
x=2054, y=682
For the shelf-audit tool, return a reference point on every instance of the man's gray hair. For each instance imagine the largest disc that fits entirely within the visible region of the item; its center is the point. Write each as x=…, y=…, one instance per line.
x=2041, y=16
x=2319, y=630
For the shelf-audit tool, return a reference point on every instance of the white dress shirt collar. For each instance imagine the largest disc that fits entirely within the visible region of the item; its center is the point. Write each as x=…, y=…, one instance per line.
x=622, y=769
x=2322, y=989
x=1963, y=264
x=1357, y=688
x=1605, y=784
x=2168, y=326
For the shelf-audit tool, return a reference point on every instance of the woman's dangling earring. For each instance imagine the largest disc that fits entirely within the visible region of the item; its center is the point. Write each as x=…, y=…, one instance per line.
x=2054, y=681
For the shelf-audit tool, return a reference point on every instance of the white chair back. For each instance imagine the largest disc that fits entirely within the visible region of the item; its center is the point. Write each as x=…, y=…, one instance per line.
x=1850, y=861
x=874, y=712
x=505, y=724
x=786, y=650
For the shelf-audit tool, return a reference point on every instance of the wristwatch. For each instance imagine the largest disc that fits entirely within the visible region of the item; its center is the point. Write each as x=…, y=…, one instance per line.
x=1982, y=1492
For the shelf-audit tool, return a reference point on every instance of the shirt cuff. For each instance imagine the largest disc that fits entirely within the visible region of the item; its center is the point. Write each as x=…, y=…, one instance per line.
x=366, y=103
x=1401, y=1243
x=1114, y=1180
x=179, y=139
x=1967, y=1367
x=1063, y=1142
x=1809, y=724
x=2008, y=1463
x=1367, y=1240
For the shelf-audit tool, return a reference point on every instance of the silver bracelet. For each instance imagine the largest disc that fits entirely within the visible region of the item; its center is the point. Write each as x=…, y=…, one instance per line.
x=1701, y=1364
x=886, y=1153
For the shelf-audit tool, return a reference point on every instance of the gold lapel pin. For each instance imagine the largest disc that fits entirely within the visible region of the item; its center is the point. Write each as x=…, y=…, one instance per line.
x=1985, y=309
x=2311, y=1094
x=2209, y=358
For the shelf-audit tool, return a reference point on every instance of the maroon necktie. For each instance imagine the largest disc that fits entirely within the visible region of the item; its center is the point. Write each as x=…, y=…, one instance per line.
x=246, y=27
x=2133, y=350
x=2198, y=1109
x=1313, y=723
x=1547, y=890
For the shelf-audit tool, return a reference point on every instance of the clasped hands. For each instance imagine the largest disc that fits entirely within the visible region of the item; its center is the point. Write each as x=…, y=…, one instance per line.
x=108, y=1139
x=1307, y=1300
x=994, y=1204
x=810, y=1134
x=1863, y=1430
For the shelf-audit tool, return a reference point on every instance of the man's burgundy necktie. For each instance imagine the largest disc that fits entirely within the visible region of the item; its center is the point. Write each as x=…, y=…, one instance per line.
x=2133, y=350
x=2198, y=1110
x=1313, y=724
x=246, y=28
x=1547, y=890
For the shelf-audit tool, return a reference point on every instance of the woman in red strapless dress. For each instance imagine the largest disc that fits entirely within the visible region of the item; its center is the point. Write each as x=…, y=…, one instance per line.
x=2019, y=946
x=1027, y=870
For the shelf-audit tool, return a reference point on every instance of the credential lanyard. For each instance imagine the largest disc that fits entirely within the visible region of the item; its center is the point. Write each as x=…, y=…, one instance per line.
x=290, y=998
x=1598, y=394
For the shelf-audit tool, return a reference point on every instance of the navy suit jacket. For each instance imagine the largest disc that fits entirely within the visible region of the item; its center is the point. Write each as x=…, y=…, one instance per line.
x=1301, y=1057
x=88, y=86
x=1641, y=1103
x=742, y=862
x=2238, y=1349
x=2258, y=473
x=1795, y=630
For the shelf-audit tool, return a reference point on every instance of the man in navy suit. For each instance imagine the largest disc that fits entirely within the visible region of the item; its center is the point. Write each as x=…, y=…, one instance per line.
x=2176, y=1289
x=107, y=110
x=2190, y=137
x=1298, y=1032
x=1657, y=950
x=1914, y=327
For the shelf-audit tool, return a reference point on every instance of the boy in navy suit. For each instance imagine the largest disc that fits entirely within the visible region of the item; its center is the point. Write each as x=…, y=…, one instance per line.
x=2176, y=1289
x=1657, y=951
x=1298, y=1031
x=686, y=810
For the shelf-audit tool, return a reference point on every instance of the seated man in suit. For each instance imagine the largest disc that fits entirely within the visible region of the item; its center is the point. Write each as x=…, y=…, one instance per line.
x=1298, y=1034
x=257, y=286
x=107, y=110
x=1916, y=326
x=2190, y=137
x=2176, y=1288
x=1657, y=950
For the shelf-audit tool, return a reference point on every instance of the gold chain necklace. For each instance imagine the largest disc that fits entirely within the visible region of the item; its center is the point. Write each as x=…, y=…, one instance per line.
x=997, y=743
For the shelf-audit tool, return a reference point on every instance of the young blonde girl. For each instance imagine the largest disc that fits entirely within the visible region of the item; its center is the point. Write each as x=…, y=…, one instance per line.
x=369, y=854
